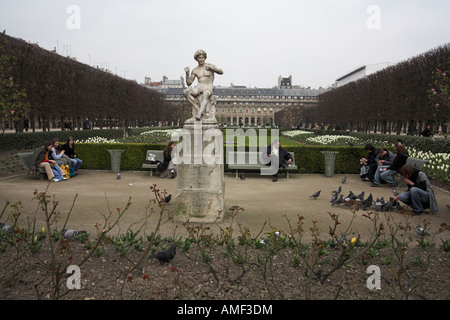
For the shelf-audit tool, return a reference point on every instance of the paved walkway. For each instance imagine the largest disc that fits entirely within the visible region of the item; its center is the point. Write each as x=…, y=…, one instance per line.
x=265, y=203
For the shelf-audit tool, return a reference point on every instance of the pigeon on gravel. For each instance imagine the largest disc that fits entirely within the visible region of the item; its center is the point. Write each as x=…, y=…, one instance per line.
x=360, y=196
x=165, y=255
x=368, y=202
x=337, y=191
x=339, y=200
x=5, y=228
x=421, y=231
x=168, y=198
x=351, y=196
x=334, y=197
x=242, y=177
x=315, y=195
x=388, y=206
x=70, y=234
x=378, y=204
x=344, y=179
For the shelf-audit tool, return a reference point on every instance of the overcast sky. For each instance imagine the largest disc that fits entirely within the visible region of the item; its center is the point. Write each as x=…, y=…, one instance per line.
x=253, y=41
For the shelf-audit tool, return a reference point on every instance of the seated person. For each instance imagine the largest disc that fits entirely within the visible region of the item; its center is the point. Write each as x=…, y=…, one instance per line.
x=420, y=194
x=384, y=159
x=58, y=155
x=370, y=162
x=41, y=159
x=387, y=174
x=280, y=155
x=167, y=168
x=69, y=151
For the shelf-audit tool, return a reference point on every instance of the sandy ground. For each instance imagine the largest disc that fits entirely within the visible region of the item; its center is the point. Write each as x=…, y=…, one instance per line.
x=265, y=203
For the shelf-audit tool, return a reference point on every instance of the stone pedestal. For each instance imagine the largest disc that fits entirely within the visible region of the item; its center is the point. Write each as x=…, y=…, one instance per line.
x=201, y=186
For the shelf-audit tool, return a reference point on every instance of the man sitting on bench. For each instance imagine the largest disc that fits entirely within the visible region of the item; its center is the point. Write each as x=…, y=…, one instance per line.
x=278, y=154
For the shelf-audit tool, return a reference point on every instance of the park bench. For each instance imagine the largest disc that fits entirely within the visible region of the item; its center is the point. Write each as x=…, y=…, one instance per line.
x=25, y=158
x=249, y=165
x=158, y=156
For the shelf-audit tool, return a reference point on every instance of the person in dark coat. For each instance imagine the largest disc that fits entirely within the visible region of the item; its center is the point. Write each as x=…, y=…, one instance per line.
x=370, y=162
x=69, y=149
x=420, y=194
x=387, y=174
x=427, y=132
x=167, y=167
x=278, y=154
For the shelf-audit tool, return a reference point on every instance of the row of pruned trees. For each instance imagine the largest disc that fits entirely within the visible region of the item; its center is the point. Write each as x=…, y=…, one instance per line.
x=61, y=90
x=398, y=98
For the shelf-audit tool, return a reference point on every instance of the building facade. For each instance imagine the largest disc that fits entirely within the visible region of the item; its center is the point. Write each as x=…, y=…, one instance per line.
x=361, y=72
x=238, y=105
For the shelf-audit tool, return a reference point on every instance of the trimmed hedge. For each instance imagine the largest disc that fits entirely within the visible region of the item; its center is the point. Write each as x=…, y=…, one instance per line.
x=96, y=156
x=309, y=159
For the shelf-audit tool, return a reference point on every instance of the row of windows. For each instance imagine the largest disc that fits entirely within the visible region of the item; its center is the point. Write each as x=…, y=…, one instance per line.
x=252, y=110
x=175, y=96
x=245, y=120
x=268, y=97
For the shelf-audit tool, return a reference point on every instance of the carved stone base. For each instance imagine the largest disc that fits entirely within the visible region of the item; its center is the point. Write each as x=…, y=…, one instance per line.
x=201, y=187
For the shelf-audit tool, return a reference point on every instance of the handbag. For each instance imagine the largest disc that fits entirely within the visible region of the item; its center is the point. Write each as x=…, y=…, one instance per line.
x=65, y=171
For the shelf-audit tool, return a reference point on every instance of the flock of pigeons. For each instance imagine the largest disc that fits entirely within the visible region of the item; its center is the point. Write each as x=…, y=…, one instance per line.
x=351, y=200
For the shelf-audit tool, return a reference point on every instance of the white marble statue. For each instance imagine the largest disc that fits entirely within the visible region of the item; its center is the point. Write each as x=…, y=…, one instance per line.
x=201, y=97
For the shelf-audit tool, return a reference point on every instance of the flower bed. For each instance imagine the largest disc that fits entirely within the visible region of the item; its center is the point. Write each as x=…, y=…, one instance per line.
x=438, y=164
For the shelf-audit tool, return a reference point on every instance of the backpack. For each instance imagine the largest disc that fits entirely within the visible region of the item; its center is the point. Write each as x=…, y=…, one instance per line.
x=72, y=172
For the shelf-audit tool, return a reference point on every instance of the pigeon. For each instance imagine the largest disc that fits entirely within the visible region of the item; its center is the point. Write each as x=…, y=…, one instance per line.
x=337, y=191
x=378, y=204
x=339, y=200
x=242, y=177
x=118, y=176
x=421, y=231
x=360, y=196
x=315, y=195
x=334, y=197
x=368, y=202
x=387, y=206
x=165, y=255
x=395, y=192
x=351, y=196
x=266, y=240
x=70, y=234
x=168, y=198
x=5, y=228
x=344, y=179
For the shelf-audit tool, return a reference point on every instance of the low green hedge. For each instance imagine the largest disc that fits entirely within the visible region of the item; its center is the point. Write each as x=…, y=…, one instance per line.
x=96, y=155
x=309, y=159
